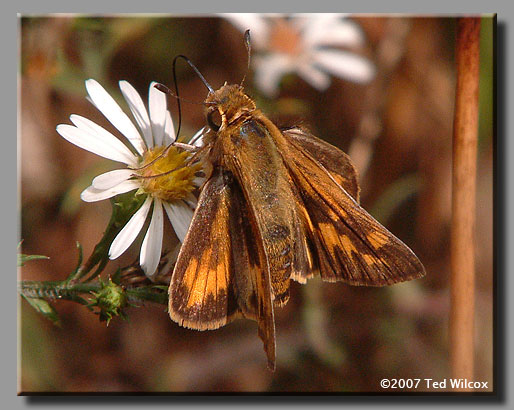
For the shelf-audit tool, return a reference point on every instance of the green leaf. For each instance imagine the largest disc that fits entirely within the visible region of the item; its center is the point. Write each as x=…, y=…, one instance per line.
x=79, y=263
x=43, y=307
x=22, y=258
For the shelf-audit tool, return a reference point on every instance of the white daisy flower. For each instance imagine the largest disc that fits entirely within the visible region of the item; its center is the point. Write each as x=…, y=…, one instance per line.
x=304, y=44
x=170, y=191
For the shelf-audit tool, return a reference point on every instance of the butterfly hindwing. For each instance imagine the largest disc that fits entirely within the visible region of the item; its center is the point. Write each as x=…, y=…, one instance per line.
x=335, y=161
x=221, y=271
x=201, y=289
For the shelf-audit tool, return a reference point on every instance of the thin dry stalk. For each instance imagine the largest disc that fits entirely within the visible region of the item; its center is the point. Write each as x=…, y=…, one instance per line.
x=465, y=130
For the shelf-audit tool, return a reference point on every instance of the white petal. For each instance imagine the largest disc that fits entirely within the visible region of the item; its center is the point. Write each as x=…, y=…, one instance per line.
x=111, y=178
x=106, y=145
x=138, y=109
x=112, y=111
x=269, y=70
x=257, y=24
x=169, y=130
x=157, y=108
x=130, y=231
x=315, y=27
x=314, y=76
x=152, y=244
x=345, y=65
x=180, y=216
x=311, y=22
x=346, y=33
x=92, y=194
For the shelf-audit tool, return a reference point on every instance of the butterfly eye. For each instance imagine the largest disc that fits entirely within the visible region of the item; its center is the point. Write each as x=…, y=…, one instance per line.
x=214, y=120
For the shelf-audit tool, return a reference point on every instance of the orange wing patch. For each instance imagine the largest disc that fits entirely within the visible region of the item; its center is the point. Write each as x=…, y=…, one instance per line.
x=377, y=239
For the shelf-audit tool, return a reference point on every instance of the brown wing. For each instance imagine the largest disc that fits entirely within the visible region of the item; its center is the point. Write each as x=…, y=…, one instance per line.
x=346, y=242
x=251, y=273
x=221, y=271
x=335, y=161
x=201, y=289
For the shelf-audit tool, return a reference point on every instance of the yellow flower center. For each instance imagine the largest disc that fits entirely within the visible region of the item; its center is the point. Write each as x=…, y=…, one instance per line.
x=167, y=177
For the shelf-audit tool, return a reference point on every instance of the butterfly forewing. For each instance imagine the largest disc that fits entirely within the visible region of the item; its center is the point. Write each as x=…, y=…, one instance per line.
x=349, y=244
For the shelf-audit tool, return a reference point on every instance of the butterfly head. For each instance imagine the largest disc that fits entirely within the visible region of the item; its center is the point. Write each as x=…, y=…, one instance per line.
x=226, y=105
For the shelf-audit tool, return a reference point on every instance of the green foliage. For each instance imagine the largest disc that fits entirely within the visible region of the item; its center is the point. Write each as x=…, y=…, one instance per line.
x=111, y=296
x=25, y=258
x=43, y=307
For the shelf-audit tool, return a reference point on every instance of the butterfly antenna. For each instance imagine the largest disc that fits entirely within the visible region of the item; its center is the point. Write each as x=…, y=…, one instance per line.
x=194, y=68
x=162, y=88
x=187, y=60
x=249, y=51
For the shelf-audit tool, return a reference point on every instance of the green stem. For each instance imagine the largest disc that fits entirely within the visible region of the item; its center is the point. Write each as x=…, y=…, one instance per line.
x=55, y=289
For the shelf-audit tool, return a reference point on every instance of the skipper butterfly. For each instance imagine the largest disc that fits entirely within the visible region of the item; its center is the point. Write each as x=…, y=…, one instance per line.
x=277, y=205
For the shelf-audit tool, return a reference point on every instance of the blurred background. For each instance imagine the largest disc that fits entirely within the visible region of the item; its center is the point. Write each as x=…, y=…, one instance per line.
x=390, y=107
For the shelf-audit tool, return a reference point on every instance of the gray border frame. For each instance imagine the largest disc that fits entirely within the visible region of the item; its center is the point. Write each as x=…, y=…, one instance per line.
x=504, y=200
